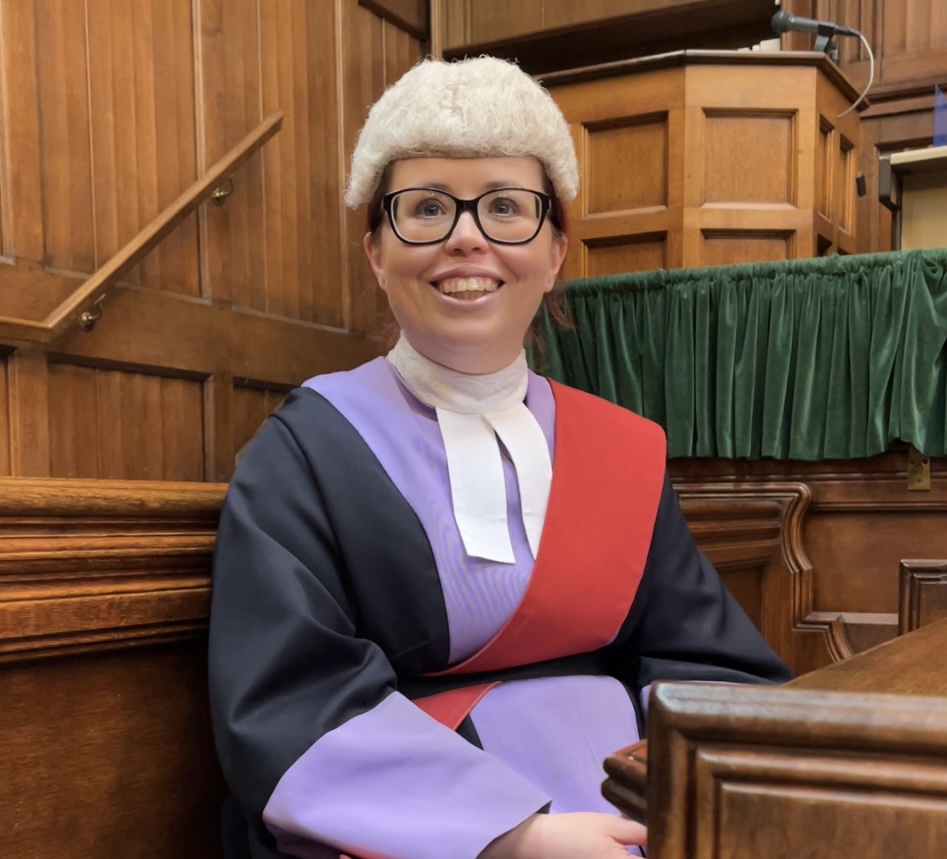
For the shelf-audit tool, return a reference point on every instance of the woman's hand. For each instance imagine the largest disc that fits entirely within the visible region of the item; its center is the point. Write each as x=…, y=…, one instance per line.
x=568, y=836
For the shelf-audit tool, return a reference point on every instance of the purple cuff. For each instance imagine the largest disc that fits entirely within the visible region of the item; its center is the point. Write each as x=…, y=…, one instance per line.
x=557, y=731
x=393, y=782
x=644, y=697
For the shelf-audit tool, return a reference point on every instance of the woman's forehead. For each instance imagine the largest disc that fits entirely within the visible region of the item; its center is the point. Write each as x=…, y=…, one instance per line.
x=467, y=174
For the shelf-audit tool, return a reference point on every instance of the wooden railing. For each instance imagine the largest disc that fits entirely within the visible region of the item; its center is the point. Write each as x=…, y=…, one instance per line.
x=82, y=303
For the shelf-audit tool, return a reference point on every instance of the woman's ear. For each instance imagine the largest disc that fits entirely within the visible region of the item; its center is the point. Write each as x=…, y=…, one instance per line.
x=560, y=244
x=372, y=245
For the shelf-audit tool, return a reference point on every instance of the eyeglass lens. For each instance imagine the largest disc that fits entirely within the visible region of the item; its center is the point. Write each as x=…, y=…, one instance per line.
x=505, y=215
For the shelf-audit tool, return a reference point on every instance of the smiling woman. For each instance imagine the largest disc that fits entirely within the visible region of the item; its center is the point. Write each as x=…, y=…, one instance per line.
x=442, y=583
x=463, y=297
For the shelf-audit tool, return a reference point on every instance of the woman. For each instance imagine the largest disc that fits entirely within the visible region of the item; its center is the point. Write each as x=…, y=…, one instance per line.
x=442, y=585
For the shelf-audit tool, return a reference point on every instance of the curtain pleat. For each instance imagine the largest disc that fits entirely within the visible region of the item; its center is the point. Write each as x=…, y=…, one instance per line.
x=829, y=358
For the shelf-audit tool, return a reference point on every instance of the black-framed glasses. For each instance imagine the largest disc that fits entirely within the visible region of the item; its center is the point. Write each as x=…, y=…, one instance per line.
x=426, y=216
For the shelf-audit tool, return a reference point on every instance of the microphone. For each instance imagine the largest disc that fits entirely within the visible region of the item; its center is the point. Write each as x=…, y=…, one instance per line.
x=786, y=22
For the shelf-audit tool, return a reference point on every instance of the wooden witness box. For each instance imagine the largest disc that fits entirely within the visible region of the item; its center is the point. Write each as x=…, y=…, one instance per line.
x=850, y=760
x=700, y=158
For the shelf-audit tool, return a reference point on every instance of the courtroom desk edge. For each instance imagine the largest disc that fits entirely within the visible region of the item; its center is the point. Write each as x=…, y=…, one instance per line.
x=799, y=718
x=708, y=58
x=902, y=666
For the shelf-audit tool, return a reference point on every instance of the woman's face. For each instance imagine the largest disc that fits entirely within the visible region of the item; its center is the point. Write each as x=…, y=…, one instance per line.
x=481, y=329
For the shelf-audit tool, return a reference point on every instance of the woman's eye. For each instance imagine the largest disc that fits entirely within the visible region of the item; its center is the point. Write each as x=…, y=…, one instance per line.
x=430, y=209
x=503, y=206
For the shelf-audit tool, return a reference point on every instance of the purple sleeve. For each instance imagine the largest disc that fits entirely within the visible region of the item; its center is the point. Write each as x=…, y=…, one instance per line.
x=393, y=782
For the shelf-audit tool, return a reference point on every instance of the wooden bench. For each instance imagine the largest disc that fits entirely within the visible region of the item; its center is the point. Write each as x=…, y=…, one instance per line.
x=104, y=596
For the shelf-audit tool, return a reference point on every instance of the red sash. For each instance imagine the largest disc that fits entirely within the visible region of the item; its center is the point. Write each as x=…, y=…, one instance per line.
x=607, y=480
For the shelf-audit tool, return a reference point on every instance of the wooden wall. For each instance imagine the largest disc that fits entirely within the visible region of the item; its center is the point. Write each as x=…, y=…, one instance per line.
x=657, y=142
x=909, y=40
x=111, y=109
x=550, y=35
x=860, y=522
x=105, y=728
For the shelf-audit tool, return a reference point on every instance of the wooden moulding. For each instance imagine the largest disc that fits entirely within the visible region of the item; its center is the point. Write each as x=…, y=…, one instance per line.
x=752, y=533
x=748, y=771
x=744, y=770
x=922, y=593
x=655, y=28
x=98, y=565
x=412, y=16
x=627, y=784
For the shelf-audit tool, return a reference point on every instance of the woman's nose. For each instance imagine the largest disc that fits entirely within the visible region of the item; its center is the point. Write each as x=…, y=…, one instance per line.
x=466, y=235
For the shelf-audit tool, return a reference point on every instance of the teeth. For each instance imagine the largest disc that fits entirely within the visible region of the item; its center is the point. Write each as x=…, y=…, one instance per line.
x=467, y=284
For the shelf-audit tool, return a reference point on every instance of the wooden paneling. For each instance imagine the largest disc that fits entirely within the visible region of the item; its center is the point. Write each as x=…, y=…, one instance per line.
x=410, y=16
x=624, y=217
x=750, y=533
x=102, y=97
x=6, y=215
x=104, y=595
x=764, y=170
x=364, y=301
x=553, y=35
x=4, y=417
x=872, y=541
x=28, y=393
x=487, y=20
x=626, y=253
x=114, y=424
x=909, y=41
x=250, y=408
x=110, y=109
x=627, y=164
x=141, y=104
x=922, y=594
x=115, y=755
x=61, y=71
x=720, y=247
x=367, y=308
x=21, y=120
x=483, y=22
x=305, y=278
x=314, y=268
x=726, y=157
x=234, y=261
x=862, y=521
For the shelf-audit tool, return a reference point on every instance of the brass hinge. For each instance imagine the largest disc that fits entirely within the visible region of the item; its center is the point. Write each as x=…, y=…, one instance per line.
x=919, y=470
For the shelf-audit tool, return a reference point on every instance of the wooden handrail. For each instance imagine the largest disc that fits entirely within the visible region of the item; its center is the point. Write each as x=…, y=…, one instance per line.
x=98, y=284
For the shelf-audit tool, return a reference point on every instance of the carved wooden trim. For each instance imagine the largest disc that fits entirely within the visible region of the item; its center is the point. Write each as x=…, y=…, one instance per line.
x=757, y=514
x=94, y=565
x=783, y=743
x=759, y=517
x=916, y=577
x=627, y=784
x=412, y=16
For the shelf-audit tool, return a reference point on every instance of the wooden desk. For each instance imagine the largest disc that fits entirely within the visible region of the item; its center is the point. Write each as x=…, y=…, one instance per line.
x=848, y=760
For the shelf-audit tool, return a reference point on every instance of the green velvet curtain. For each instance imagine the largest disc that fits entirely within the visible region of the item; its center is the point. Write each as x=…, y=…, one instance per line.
x=830, y=358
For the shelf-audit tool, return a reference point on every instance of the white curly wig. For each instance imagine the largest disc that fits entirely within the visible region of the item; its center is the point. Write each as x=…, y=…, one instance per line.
x=472, y=108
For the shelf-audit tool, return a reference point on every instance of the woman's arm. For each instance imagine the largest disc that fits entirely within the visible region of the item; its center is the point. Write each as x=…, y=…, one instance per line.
x=685, y=625
x=312, y=735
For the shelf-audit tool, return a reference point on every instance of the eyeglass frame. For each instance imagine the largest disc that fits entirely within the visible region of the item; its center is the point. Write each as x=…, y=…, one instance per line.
x=469, y=205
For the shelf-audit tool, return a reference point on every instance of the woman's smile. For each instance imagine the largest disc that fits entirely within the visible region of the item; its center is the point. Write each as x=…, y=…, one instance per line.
x=467, y=288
